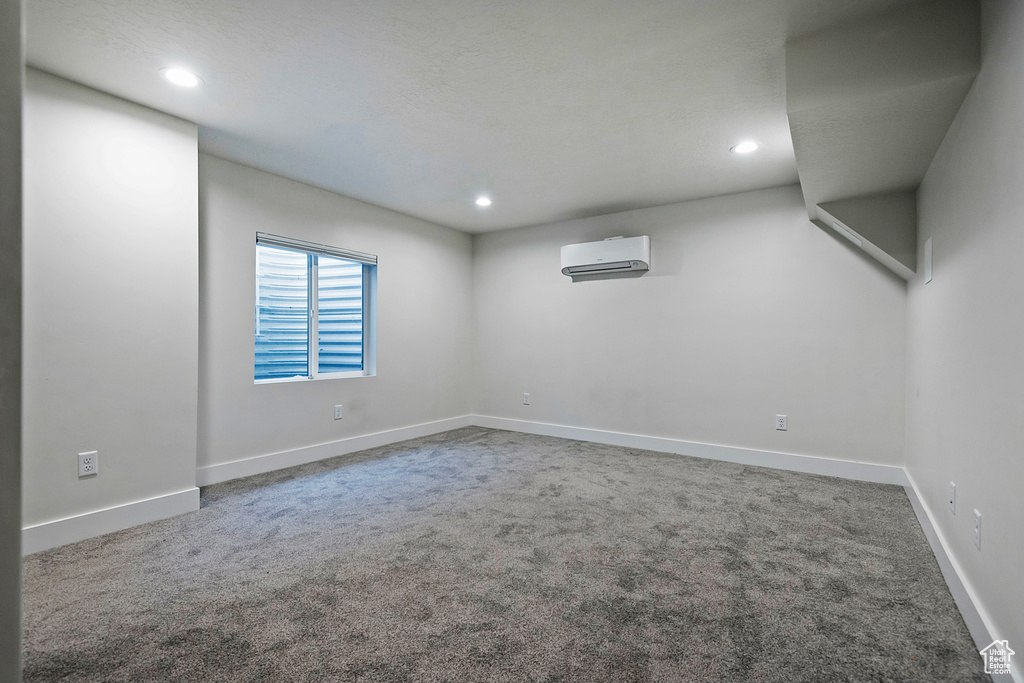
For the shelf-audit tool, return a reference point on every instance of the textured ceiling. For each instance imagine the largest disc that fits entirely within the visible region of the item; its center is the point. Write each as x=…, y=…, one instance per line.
x=557, y=110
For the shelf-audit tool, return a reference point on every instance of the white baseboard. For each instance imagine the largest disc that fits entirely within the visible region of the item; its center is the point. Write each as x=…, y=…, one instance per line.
x=861, y=471
x=846, y=469
x=979, y=623
x=215, y=474
x=86, y=525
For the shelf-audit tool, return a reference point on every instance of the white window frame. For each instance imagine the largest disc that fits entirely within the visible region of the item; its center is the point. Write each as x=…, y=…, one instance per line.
x=313, y=304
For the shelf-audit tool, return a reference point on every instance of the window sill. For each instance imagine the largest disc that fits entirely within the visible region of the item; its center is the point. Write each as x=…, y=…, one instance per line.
x=300, y=378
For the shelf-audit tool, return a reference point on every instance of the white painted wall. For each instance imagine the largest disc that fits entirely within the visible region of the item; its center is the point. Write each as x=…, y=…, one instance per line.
x=965, y=388
x=11, y=61
x=748, y=310
x=111, y=300
x=424, y=311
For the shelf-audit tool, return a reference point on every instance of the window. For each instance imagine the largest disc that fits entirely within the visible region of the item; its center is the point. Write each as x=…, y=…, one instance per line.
x=314, y=311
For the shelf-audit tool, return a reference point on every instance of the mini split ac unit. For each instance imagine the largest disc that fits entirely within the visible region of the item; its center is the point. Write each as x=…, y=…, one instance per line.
x=613, y=255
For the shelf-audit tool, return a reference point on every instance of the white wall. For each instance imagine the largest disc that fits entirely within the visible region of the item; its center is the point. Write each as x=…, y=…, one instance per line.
x=111, y=300
x=748, y=310
x=424, y=333
x=11, y=61
x=965, y=388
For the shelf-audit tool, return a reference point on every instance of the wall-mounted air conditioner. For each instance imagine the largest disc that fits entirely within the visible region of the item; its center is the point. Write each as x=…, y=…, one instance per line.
x=613, y=255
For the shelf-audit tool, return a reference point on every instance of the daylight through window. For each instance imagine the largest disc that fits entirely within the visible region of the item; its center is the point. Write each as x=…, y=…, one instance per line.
x=314, y=310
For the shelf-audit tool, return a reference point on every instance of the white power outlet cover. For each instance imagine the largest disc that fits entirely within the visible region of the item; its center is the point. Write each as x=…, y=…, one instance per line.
x=88, y=464
x=338, y=413
x=781, y=423
x=526, y=399
x=977, y=529
x=952, y=497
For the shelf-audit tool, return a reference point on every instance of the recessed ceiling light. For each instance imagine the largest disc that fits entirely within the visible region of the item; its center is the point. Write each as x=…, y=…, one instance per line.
x=186, y=79
x=483, y=201
x=745, y=147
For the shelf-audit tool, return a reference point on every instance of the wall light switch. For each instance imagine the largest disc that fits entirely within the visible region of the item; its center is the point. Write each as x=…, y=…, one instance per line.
x=977, y=529
x=928, y=260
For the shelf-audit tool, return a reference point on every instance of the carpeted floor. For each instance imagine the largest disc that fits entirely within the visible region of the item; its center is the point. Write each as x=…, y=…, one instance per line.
x=484, y=555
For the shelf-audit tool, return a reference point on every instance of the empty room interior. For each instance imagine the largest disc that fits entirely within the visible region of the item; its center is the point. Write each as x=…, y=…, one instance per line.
x=523, y=341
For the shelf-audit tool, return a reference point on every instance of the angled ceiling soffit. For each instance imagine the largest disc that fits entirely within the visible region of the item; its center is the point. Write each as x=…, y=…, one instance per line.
x=869, y=102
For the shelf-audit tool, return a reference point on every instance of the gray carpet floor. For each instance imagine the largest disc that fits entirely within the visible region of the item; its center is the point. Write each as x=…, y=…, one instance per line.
x=484, y=555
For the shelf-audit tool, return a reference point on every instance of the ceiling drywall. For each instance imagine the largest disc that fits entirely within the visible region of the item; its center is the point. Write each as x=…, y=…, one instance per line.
x=556, y=110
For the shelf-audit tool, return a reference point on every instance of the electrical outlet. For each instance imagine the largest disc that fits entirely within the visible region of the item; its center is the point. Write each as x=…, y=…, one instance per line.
x=977, y=529
x=952, y=497
x=337, y=412
x=88, y=464
x=526, y=399
x=781, y=423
